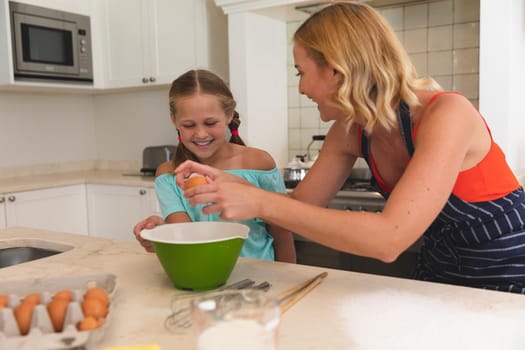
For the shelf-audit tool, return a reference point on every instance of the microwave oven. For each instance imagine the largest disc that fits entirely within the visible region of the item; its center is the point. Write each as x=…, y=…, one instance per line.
x=50, y=44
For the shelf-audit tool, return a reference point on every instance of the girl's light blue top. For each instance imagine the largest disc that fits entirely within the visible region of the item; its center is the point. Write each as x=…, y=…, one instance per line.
x=259, y=242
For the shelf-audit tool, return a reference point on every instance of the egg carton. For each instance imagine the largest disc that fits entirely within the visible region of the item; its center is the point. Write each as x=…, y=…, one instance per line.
x=41, y=334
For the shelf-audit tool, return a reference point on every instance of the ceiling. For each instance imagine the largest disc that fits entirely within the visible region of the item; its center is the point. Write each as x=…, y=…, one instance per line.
x=311, y=6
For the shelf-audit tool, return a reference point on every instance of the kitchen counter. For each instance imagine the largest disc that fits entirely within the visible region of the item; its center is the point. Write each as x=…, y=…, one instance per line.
x=346, y=311
x=103, y=177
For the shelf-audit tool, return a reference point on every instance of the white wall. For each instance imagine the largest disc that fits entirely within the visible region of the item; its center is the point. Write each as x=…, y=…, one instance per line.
x=40, y=128
x=257, y=51
x=502, y=76
x=57, y=128
x=127, y=122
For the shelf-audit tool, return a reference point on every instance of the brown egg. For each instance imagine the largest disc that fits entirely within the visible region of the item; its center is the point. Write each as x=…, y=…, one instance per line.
x=94, y=307
x=97, y=293
x=63, y=294
x=33, y=298
x=195, y=180
x=4, y=300
x=57, y=309
x=23, y=315
x=89, y=323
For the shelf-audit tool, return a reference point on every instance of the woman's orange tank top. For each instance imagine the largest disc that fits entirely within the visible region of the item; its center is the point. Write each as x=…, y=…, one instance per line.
x=490, y=179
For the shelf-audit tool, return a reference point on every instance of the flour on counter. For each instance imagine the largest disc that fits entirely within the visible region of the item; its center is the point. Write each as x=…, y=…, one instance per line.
x=429, y=323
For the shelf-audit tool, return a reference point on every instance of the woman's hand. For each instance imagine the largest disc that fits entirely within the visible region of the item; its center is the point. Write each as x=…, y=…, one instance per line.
x=234, y=201
x=147, y=223
x=212, y=174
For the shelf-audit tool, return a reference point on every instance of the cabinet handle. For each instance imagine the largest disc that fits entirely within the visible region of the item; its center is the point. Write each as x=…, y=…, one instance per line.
x=11, y=198
x=142, y=192
x=2, y=199
x=152, y=79
x=145, y=80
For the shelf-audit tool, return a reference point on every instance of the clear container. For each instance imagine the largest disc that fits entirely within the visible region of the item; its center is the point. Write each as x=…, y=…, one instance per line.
x=246, y=319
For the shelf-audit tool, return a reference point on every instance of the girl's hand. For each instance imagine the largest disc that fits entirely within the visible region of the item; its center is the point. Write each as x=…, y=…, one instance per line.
x=147, y=223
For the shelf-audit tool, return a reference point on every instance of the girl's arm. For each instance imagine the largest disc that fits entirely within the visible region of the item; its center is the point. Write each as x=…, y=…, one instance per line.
x=283, y=244
x=177, y=217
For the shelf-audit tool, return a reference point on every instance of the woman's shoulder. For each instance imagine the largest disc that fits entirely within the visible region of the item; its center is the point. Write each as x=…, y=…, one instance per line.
x=432, y=100
x=254, y=158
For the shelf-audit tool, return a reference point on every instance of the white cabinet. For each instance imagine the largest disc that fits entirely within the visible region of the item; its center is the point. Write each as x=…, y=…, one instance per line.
x=151, y=42
x=58, y=209
x=135, y=43
x=114, y=210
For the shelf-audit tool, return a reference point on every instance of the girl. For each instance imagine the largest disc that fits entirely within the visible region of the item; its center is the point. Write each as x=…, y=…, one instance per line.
x=202, y=109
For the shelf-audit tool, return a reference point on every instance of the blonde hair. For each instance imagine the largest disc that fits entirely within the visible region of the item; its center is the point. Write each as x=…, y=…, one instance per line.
x=376, y=71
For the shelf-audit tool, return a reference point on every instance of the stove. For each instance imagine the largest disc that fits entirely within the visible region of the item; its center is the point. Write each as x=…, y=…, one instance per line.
x=357, y=195
x=358, y=186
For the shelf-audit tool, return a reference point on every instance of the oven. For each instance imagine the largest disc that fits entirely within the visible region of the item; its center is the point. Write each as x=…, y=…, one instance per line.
x=355, y=197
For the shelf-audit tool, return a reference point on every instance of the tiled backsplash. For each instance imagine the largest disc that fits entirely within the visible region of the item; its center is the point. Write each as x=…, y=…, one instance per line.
x=442, y=39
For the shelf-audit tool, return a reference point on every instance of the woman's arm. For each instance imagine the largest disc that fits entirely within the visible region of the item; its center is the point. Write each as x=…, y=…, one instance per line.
x=331, y=169
x=444, y=139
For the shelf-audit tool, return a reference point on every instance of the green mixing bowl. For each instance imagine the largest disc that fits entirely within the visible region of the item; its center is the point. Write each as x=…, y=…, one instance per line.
x=198, y=255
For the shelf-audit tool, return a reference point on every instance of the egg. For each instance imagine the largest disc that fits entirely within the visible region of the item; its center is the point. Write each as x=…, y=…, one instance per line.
x=195, y=180
x=94, y=307
x=33, y=298
x=90, y=323
x=64, y=294
x=23, y=314
x=57, y=309
x=4, y=300
x=97, y=293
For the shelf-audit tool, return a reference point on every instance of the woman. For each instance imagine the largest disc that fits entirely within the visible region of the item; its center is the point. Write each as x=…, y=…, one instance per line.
x=431, y=154
x=202, y=109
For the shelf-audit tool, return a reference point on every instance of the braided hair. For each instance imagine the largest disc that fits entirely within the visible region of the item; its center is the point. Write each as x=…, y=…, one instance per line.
x=204, y=81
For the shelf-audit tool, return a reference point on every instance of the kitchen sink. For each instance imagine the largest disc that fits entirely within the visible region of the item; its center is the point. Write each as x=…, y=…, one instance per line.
x=17, y=255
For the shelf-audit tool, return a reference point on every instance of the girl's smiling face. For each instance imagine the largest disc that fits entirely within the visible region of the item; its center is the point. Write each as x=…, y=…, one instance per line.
x=202, y=124
x=317, y=83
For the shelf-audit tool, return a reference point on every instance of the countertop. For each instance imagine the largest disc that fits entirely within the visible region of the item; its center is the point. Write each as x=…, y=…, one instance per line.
x=104, y=177
x=346, y=311
x=124, y=178
x=117, y=178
